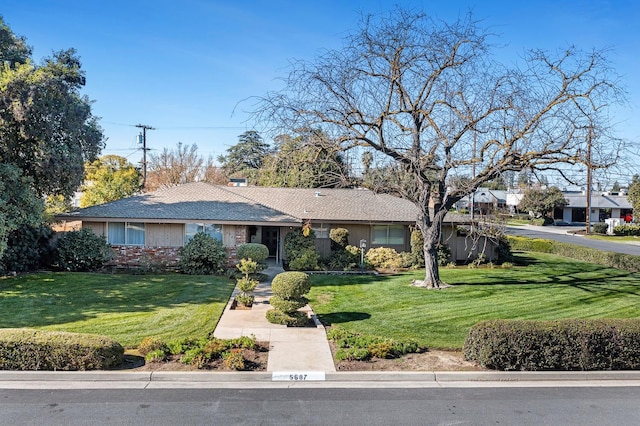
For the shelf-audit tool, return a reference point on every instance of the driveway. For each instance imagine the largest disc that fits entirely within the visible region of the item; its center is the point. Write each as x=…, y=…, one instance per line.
x=561, y=233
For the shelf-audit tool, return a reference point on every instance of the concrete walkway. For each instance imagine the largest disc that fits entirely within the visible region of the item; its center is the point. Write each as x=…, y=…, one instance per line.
x=291, y=349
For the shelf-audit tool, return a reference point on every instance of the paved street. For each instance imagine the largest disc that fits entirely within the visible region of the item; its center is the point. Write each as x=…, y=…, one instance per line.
x=424, y=406
x=559, y=233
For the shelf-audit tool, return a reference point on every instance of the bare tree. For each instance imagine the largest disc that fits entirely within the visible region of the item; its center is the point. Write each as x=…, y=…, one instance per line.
x=174, y=167
x=430, y=97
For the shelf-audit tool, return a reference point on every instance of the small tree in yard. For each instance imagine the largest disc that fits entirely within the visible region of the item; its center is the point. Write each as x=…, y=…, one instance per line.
x=430, y=100
x=289, y=289
x=542, y=202
x=247, y=284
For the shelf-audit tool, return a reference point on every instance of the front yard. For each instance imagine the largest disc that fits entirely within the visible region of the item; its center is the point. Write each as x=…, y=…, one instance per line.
x=126, y=308
x=540, y=286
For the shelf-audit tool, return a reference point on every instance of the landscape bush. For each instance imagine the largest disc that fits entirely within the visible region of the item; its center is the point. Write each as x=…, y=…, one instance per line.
x=341, y=259
x=627, y=230
x=28, y=249
x=339, y=238
x=289, y=290
x=202, y=255
x=254, y=251
x=198, y=352
x=384, y=257
x=28, y=349
x=357, y=346
x=305, y=260
x=622, y=261
x=82, y=250
x=560, y=345
x=600, y=228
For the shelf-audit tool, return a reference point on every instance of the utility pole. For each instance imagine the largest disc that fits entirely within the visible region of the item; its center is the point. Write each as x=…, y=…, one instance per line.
x=588, y=218
x=144, y=128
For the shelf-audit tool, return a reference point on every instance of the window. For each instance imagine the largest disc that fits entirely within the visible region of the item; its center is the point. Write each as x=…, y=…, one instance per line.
x=191, y=229
x=125, y=233
x=388, y=235
x=321, y=232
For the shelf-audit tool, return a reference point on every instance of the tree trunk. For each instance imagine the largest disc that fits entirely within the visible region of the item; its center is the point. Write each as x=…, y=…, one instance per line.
x=431, y=236
x=432, y=271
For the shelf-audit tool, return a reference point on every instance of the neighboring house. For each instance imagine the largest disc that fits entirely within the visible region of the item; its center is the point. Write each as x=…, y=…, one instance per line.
x=604, y=205
x=155, y=225
x=485, y=201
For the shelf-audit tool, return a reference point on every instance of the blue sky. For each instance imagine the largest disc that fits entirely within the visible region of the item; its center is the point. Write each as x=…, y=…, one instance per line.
x=185, y=67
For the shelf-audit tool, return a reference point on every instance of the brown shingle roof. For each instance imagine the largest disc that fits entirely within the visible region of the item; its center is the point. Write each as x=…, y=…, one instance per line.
x=252, y=204
x=194, y=201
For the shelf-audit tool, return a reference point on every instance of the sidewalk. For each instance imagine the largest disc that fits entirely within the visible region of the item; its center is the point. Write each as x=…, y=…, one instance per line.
x=291, y=349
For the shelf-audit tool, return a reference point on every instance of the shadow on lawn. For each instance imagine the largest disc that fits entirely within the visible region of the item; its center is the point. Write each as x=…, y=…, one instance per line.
x=48, y=299
x=342, y=317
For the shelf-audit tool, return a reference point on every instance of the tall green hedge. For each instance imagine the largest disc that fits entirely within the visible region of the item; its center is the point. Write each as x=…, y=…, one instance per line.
x=626, y=262
x=560, y=345
x=27, y=349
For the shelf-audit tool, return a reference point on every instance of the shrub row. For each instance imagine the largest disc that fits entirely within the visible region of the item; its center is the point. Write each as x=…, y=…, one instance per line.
x=627, y=229
x=565, y=345
x=626, y=262
x=356, y=346
x=27, y=349
x=198, y=352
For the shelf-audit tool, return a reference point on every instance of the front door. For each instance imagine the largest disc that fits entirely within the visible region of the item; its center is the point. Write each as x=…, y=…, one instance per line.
x=270, y=236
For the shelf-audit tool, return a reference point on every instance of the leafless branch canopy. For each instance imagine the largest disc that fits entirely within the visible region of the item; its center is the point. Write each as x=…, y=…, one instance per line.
x=430, y=97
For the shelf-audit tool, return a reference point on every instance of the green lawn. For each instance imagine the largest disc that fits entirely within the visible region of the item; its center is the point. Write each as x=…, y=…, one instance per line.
x=543, y=287
x=126, y=308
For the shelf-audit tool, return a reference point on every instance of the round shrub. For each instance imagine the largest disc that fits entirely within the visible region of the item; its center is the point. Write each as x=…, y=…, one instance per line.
x=82, y=251
x=202, y=255
x=289, y=289
x=339, y=238
x=291, y=285
x=295, y=319
x=28, y=349
x=288, y=306
x=257, y=252
x=384, y=257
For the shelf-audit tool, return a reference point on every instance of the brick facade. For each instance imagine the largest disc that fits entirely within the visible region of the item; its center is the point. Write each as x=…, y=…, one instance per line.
x=137, y=257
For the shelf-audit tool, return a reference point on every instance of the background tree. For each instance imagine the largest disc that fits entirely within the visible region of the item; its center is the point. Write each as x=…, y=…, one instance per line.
x=174, y=167
x=634, y=197
x=46, y=126
x=19, y=205
x=430, y=97
x=307, y=160
x=47, y=132
x=542, y=201
x=246, y=157
x=109, y=178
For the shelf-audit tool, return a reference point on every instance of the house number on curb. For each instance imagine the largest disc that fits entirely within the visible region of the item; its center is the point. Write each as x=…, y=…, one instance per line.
x=297, y=376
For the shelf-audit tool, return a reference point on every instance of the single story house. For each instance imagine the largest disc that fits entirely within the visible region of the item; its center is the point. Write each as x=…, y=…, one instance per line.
x=155, y=225
x=603, y=205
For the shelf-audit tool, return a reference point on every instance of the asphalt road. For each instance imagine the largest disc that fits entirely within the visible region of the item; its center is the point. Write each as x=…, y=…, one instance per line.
x=559, y=234
x=302, y=406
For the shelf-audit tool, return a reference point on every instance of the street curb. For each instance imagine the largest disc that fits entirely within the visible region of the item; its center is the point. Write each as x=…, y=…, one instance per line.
x=351, y=376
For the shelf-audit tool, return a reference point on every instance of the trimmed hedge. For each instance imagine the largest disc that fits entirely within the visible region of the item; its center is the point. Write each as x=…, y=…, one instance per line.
x=560, y=345
x=27, y=349
x=626, y=262
x=254, y=251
